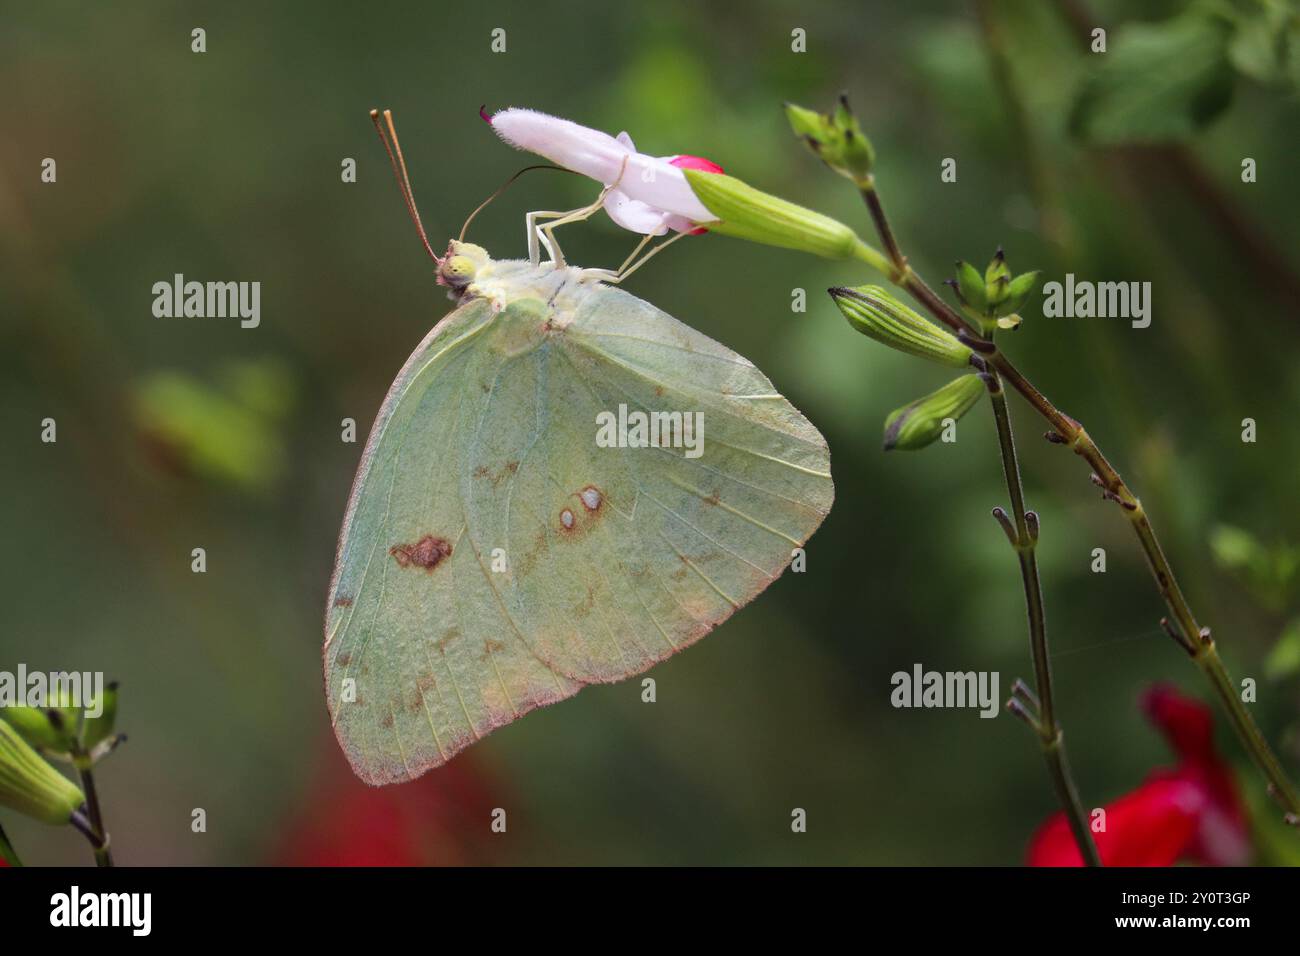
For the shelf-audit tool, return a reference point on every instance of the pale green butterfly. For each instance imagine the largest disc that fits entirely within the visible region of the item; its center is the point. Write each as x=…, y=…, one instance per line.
x=496, y=556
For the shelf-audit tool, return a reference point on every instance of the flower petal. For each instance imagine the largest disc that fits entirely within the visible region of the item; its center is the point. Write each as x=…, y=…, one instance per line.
x=1192, y=812
x=590, y=152
x=1186, y=723
x=1153, y=825
x=634, y=215
x=599, y=156
x=695, y=162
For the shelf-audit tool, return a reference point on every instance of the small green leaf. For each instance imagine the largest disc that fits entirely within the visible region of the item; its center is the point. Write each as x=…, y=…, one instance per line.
x=921, y=422
x=1158, y=83
x=1260, y=38
x=1235, y=548
x=1284, y=659
x=1292, y=58
x=1270, y=572
x=231, y=434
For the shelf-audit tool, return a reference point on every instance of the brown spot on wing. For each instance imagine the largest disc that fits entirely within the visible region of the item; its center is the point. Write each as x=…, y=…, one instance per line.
x=525, y=566
x=426, y=553
x=423, y=683
x=443, y=642
x=483, y=471
x=574, y=524
x=342, y=601
x=588, y=603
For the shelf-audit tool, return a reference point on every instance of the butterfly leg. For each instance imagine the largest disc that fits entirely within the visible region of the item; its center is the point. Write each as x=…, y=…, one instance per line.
x=625, y=270
x=535, y=234
x=547, y=233
x=544, y=235
x=611, y=275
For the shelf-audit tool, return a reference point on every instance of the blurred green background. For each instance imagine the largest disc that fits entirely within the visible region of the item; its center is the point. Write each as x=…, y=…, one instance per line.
x=183, y=433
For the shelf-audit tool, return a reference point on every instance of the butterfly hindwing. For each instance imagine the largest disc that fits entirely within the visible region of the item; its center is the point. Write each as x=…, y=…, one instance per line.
x=496, y=557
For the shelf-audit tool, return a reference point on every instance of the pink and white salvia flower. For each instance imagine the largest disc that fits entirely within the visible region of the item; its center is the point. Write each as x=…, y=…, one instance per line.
x=650, y=194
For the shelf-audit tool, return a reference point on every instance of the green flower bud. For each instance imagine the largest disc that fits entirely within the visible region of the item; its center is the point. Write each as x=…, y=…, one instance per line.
x=992, y=300
x=807, y=124
x=97, y=729
x=1018, y=291
x=875, y=313
x=748, y=213
x=65, y=713
x=918, y=424
x=42, y=728
x=30, y=785
x=836, y=138
x=998, y=269
x=971, y=288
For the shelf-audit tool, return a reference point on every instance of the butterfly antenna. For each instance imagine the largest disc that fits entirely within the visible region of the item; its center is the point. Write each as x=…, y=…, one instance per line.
x=502, y=188
x=398, y=163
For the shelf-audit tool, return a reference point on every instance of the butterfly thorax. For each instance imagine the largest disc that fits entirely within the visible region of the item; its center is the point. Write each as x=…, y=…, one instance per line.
x=470, y=273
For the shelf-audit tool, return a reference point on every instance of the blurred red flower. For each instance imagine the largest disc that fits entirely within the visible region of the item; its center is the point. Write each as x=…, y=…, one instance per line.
x=442, y=819
x=1190, y=812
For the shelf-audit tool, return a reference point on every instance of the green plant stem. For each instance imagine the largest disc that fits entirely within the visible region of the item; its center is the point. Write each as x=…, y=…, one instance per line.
x=81, y=823
x=874, y=258
x=867, y=187
x=98, y=836
x=1195, y=639
x=1051, y=737
x=1025, y=546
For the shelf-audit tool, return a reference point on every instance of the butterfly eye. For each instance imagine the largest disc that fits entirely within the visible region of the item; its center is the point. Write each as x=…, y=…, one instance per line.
x=457, y=272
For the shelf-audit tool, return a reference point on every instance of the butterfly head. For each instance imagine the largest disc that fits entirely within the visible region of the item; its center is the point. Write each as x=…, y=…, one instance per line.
x=461, y=265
